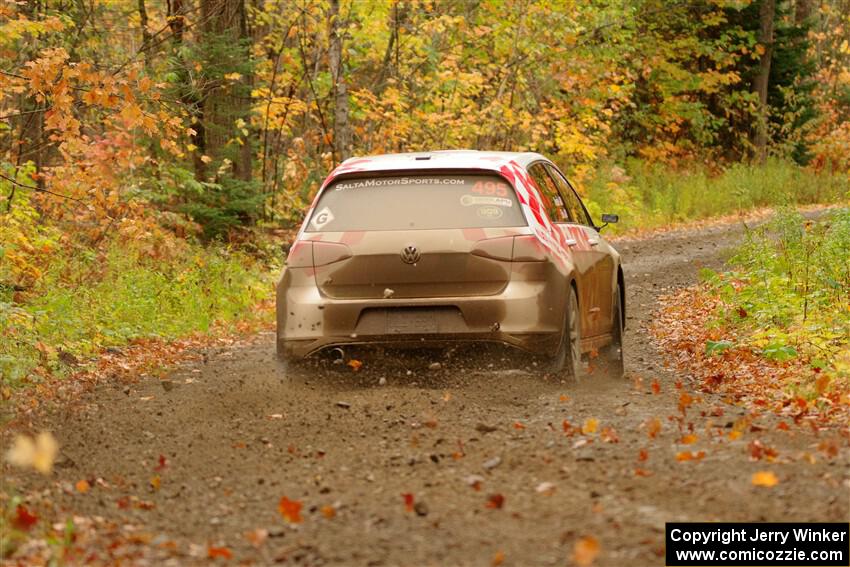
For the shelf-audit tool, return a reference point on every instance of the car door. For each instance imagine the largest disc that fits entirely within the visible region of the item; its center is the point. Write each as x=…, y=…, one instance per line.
x=598, y=255
x=582, y=254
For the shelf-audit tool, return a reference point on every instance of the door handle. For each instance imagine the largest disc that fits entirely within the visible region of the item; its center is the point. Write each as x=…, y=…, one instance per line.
x=593, y=242
x=571, y=242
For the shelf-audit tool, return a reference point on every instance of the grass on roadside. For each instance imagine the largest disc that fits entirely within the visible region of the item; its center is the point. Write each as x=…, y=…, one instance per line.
x=650, y=196
x=84, y=303
x=788, y=295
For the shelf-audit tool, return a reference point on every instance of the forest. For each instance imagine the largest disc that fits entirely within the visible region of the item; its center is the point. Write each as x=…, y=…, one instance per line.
x=155, y=155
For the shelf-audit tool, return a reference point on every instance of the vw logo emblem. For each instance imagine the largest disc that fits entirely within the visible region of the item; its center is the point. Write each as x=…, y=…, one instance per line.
x=410, y=255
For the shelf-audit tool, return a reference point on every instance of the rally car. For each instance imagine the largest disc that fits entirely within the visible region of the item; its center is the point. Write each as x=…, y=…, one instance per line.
x=434, y=248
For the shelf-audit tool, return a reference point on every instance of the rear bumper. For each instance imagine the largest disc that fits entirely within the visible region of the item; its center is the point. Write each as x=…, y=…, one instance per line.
x=527, y=314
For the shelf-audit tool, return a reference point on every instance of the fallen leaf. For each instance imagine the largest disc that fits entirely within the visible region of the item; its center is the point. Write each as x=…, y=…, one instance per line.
x=734, y=434
x=328, y=511
x=408, y=501
x=764, y=478
x=162, y=462
x=219, y=552
x=683, y=456
x=590, y=426
x=38, y=453
x=585, y=551
x=564, y=398
x=355, y=364
x=518, y=425
x=609, y=435
x=82, y=486
x=156, y=482
x=495, y=501
x=257, y=537
x=642, y=472
x=290, y=510
x=643, y=455
x=685, y=400
x=656, y=387
x=653, y=426
x=498, y=559
x=689, y=439
x=24, y=519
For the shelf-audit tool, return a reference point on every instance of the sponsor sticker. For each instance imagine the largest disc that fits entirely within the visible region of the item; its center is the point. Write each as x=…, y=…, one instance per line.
x=322, y=218
x=489, y=212
x=470, y=200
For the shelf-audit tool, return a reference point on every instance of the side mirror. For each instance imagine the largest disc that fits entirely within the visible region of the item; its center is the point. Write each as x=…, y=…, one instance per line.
x=608, y=218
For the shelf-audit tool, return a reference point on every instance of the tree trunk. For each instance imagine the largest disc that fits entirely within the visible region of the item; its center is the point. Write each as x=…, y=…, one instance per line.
x=767, y=13
x=342, y=128
x=146, y=34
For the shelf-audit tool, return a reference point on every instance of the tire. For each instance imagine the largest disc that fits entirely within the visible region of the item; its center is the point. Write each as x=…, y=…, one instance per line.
x=612, y=356
x=567, y=359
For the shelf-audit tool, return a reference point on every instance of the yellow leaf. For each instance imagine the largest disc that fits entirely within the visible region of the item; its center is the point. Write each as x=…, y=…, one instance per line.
x=38, y=453
x=590, y=426
x=765, y=478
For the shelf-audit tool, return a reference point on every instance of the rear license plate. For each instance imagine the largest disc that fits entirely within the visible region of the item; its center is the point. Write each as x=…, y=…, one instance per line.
x=406, y=321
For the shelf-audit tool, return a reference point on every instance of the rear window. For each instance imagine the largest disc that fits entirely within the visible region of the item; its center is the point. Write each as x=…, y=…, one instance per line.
x=417, y=202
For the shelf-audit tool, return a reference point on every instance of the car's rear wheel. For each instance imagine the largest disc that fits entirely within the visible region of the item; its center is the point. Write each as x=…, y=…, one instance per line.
x=613, y=353
x=567, y=360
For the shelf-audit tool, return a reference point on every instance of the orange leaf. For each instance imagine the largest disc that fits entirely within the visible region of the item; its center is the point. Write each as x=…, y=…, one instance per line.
x=83, y=486
x=656, y=387
x=643, y=455
x=734, y=434
x=498, y=559
x=518, y=425
x=689, y=439
x=290, y=510
x=328, y=511
x=156, y=482
x=215, y=552
x=689, y=456
x=764, y=478
x=355, y=364
x=609, y=435
x=564, y=398
x=495, y=501
x=585, y=551
x=653, y=426
x=685, y=400
x=642, y=472
x=408, y=501
x=257, y=537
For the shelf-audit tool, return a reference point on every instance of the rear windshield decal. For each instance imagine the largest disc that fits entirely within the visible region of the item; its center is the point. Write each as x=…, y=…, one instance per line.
x=489, y=212
x=395, y=181
x=469, y=200
x=322, y=218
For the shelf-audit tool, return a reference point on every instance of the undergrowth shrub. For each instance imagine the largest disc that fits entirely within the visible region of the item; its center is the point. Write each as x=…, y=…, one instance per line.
x=789, y=291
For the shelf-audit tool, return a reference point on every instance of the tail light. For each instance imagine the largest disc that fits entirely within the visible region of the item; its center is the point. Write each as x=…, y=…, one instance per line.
x=312, y=254
x=525, y=248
